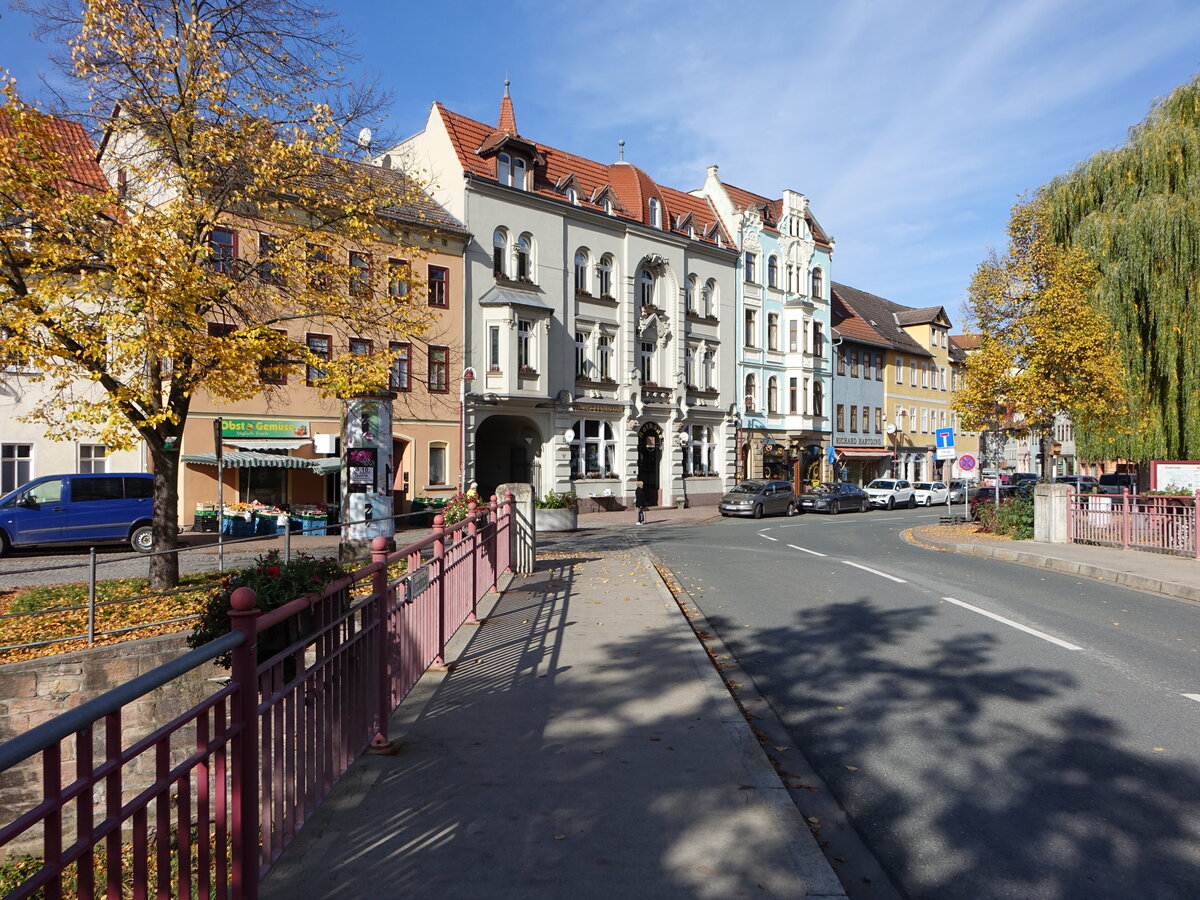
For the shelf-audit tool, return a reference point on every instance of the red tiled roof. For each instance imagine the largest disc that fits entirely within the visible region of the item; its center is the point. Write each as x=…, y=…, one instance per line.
x=631, y=187
x=966, y=341
x=774, y=211
x=881, y=314
x=71, y=141
x=849, y=324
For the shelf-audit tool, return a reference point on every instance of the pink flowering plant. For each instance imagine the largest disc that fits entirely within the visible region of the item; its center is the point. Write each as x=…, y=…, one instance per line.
x=459, y=506
x=275, y=583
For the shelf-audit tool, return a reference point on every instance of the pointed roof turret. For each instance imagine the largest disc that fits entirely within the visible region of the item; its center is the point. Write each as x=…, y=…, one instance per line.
x=507, y=124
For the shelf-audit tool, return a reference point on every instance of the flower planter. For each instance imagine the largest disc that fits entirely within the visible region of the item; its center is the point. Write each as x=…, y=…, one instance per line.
x=556, y=519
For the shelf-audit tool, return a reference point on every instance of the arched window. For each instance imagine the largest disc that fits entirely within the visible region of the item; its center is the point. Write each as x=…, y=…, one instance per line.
x=518, y=179
x=655, y=214
x=818, y=284
x=594, y=450
x=772, y=395
x=708, y=298
x=583, y=282
x=709, y=370
x=772, y=271
x=646, y=293
x=691, y=294
x=608, y=207
x=818, y=404
x=750, y=392
x=500, y=253
x=572, y=197
x=604, y=276
x=525, y=258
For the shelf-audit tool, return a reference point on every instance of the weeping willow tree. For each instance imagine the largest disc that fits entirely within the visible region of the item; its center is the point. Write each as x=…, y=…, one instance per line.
x=1135, y=211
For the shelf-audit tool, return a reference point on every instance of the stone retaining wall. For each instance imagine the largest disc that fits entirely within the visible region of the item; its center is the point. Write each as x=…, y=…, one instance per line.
x=35, y=691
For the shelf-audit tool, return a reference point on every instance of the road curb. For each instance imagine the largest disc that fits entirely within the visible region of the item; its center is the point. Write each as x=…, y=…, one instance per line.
x=1064, y=566
x=806, y=797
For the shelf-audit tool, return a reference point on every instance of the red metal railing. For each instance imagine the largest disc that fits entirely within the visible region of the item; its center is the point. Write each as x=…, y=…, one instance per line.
x=1136, y=521
x=204, y=805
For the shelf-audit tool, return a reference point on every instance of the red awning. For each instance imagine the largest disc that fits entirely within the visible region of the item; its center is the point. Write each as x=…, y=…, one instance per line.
x=863, y=452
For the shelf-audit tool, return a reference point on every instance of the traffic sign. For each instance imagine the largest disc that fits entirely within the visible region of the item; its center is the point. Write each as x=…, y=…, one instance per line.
x=944, y=437
x=966, y=462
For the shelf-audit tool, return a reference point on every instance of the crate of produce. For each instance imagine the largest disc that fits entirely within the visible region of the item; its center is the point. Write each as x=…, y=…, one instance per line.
x=206, y=521
x=237, y=526
x=310, y=524
x=266, y=523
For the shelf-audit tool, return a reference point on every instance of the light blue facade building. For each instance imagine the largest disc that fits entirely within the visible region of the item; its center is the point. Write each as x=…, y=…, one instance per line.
x=784, y=359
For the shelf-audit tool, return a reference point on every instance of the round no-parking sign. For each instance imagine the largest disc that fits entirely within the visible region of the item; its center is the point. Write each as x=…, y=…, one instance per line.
x=966, y=462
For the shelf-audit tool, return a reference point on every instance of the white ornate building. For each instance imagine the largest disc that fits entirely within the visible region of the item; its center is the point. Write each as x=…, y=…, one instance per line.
x=599, y=317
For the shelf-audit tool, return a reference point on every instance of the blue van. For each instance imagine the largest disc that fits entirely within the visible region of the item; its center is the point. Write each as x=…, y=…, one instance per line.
x=68, y=509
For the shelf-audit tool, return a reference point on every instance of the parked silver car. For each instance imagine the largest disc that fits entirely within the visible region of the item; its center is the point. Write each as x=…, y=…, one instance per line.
x=758, y=498
x=962, y=490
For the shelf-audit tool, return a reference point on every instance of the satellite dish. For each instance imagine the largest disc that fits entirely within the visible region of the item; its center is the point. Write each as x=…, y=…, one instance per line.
x=364, y=138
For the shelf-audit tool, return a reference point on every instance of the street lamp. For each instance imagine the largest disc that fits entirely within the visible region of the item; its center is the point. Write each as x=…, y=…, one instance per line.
x=682, y=439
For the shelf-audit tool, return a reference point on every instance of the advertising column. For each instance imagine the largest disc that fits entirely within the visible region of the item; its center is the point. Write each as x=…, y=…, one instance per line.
x=367, y=474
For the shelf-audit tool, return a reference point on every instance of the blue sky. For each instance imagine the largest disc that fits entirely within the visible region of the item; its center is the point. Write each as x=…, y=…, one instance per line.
x=912, y=127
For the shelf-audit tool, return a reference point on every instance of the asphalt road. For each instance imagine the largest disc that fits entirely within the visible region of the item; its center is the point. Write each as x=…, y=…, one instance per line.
x=993, y=730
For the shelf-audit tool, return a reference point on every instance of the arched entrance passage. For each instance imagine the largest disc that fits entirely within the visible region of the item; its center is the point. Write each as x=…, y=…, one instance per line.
x=506, y=449
x=650, y=447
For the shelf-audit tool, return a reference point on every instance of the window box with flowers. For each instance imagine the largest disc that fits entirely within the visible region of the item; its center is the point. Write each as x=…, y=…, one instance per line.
x=527, y=372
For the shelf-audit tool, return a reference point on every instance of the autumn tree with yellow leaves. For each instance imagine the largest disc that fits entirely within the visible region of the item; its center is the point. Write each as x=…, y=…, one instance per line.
x=210, y=114
x=1044, y=348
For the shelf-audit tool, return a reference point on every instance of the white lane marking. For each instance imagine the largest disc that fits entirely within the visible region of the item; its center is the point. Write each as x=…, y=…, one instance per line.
x=888, y=518
x=768, y=537
x=805, y=550
x=1195, y=697
x=1011, y=623
x=875, y=571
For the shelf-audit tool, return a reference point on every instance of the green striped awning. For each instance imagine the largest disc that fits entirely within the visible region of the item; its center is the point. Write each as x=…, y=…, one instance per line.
x=246, y=459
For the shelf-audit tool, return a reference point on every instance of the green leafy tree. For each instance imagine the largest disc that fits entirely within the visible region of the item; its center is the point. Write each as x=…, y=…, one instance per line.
x=1135, y=211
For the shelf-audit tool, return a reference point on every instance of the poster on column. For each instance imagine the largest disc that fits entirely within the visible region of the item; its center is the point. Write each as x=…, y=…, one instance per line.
x=367, y=504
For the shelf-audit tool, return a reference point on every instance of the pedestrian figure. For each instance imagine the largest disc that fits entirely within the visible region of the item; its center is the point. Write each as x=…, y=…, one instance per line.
x=639, y=500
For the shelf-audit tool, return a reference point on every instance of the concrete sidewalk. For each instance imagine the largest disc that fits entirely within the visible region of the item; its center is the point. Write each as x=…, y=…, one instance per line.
x=1161, y=573
x=580, y=745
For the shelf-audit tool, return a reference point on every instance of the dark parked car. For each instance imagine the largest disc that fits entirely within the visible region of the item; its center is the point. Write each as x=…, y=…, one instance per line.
x=1019, y=477
x=1082, y=484
x=836, y=498
x=1115, y=482
x=758, y=498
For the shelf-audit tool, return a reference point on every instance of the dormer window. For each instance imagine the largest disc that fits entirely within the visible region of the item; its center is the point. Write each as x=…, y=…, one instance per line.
x=608, y=207
x=510, y=170
x=655, y=214
x=572, y=197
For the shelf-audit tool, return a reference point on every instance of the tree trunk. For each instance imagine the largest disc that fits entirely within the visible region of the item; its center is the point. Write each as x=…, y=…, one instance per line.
x=164, y=567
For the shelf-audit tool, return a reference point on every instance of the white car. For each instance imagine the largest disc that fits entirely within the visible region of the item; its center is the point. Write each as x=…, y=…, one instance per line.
x=930, y=492
x=890, y=493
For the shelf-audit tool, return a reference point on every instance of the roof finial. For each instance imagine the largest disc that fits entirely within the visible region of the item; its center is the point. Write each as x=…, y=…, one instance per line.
x=507, y=123
x=621, y=149
x=506, y=84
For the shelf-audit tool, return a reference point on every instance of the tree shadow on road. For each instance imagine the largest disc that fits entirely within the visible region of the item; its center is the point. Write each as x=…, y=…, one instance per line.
x=972, y=778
